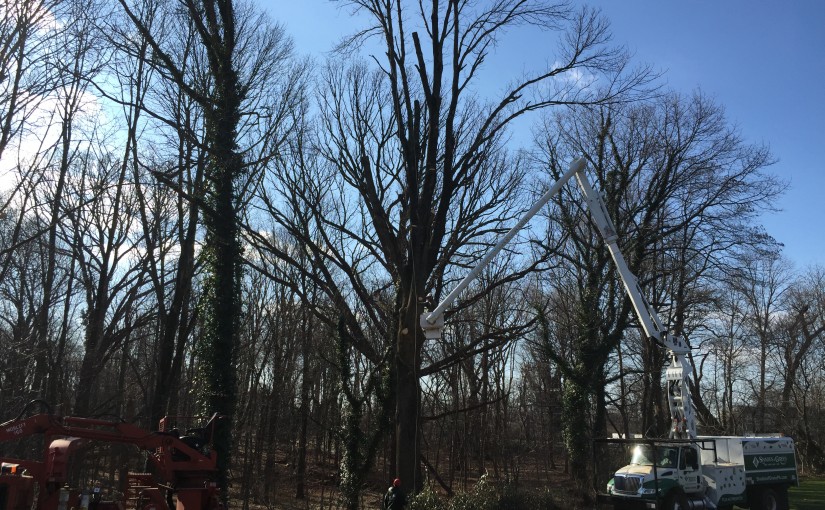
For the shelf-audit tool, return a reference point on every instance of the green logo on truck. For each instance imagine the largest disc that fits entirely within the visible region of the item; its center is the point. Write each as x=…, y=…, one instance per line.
x=770, y=461
x=770, y=467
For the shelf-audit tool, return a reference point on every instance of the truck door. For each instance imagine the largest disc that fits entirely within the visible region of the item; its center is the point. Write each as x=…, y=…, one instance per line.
x=690, y=476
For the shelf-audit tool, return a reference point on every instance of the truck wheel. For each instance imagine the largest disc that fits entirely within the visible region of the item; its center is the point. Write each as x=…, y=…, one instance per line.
x=767, y=499
x=677, y=501
x=782, y=498
x=772, y=498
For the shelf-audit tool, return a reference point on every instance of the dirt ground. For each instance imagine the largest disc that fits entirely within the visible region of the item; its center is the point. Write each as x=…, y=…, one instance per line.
x=322, y=492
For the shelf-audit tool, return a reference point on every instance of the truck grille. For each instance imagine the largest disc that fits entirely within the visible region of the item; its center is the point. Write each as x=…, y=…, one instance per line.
x=627, y=484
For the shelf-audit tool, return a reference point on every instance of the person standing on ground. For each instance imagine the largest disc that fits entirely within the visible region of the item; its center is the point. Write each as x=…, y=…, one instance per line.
x=395, y=499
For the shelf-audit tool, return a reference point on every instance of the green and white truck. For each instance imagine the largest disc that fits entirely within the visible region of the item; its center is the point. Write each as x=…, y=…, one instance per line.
x=706, y=472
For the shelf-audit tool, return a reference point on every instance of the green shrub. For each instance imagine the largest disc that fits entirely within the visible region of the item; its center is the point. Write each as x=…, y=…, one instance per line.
x=426, y=500
x=483, y=496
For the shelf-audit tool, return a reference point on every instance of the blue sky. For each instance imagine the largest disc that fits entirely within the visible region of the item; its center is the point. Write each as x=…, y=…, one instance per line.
x=764, y=60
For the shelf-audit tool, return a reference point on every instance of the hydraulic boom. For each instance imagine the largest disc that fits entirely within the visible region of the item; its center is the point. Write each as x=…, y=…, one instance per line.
x=678, y=373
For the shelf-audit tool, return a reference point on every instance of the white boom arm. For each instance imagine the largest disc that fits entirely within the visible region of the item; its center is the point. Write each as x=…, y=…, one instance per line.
x=433, y=322
x=678, y=373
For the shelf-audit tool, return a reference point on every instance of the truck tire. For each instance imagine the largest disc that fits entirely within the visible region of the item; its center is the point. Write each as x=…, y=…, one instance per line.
x=770, y=498
x=677, y=501
x=782, y=493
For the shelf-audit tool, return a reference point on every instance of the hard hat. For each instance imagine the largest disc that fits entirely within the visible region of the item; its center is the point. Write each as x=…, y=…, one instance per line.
x=396, y=482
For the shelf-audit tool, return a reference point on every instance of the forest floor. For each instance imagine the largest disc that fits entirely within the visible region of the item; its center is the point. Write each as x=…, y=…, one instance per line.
x=321, y=491
x=322, y=494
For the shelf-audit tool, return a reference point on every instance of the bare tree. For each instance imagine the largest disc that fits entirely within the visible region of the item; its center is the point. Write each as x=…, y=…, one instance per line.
x=729, y=350
x=241, y=53
x=168, y=219
x=682, y=189
x=803, y=329
x=413, y=175
x=761, y=279
x=28, y=35
x=81, y=64
x=800, y=342
x=109, y=263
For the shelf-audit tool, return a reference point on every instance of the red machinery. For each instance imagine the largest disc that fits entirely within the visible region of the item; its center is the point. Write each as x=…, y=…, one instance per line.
x=184, y=466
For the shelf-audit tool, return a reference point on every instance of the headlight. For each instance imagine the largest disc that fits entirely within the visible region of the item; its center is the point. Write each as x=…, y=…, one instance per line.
x=647, y=491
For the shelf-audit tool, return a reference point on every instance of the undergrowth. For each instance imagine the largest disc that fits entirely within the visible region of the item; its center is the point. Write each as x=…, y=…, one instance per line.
x=484, y=495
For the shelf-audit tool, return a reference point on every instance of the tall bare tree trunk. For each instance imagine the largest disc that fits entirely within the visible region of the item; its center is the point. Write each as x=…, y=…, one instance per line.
x=408, y=394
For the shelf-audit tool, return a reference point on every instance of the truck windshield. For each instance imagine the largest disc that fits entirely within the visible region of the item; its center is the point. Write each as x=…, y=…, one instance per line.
x=665, y=456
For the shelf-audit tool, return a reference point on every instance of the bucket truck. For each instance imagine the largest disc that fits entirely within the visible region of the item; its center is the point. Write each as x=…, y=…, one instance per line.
x=685, y=471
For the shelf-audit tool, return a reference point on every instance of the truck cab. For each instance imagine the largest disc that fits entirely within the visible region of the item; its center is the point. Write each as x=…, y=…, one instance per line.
x=659, y=471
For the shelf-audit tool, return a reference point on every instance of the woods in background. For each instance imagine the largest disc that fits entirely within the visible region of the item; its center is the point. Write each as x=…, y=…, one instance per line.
x=197, y=218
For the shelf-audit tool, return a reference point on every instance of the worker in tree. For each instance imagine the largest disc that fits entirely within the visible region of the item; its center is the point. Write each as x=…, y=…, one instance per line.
x=394, y=499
